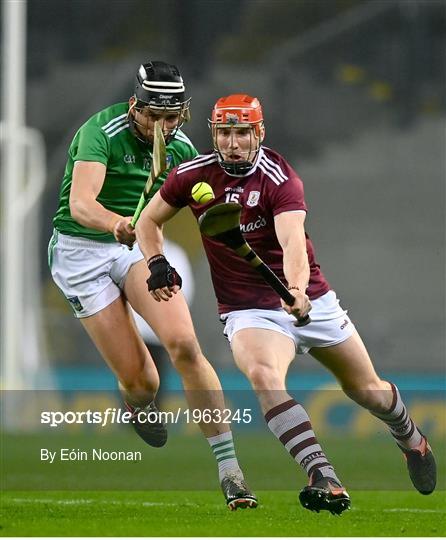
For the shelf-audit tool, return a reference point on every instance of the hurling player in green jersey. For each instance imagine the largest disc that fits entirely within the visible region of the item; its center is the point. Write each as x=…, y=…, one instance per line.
x=108, y=164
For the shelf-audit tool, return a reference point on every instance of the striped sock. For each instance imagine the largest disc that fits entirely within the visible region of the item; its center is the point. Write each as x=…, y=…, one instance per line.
x=291, y=425
x=223, y=447
x=400, y=424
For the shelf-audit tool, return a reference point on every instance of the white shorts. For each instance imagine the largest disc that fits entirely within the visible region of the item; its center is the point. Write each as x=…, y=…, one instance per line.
x=90, y=274
x=329, y=325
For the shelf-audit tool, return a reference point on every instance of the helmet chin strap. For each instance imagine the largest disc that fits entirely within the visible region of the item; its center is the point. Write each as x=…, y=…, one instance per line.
x=235, y=168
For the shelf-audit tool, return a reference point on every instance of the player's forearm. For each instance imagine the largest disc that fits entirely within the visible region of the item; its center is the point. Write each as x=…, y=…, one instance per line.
x=149, y=228
x=291, y=235
x=149, y=236
x=295, y=266
x=93, y=215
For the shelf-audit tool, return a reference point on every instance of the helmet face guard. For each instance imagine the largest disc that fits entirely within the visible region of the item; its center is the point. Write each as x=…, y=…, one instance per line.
x=238, y=112
x=159, y=88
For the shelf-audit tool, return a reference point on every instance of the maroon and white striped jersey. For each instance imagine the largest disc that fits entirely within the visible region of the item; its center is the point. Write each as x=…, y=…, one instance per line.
x=270, y=188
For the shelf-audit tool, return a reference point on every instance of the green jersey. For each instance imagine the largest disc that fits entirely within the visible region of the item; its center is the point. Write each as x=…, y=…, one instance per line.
x=106, y=138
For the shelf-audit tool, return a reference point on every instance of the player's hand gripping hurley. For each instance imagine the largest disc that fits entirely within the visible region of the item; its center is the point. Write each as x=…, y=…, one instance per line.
x=222, y=222
x=159, y=165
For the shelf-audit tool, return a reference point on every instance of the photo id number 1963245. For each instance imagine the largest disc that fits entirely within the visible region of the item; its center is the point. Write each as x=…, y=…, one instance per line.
x=225, y=416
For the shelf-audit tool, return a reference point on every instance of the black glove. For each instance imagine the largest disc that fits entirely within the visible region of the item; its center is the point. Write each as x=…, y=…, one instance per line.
x=162, y=274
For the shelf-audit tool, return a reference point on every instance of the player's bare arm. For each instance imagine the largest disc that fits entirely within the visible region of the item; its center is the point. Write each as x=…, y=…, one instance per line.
x=164, y=280
x=149, y=228
x=290, y=232
x=88, y=179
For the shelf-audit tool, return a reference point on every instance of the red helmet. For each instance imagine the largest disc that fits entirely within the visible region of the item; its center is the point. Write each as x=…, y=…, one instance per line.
x=238, y=111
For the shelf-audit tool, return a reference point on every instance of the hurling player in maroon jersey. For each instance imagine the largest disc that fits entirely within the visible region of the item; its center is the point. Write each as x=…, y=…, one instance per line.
x=258, y=324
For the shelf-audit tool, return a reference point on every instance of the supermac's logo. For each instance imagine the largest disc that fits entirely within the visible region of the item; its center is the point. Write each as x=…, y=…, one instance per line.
x=253, y=225
x=253, y=198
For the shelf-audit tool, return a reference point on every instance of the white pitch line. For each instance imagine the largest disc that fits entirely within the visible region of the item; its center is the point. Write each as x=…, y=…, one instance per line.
x=98, y=501
x=415, y=510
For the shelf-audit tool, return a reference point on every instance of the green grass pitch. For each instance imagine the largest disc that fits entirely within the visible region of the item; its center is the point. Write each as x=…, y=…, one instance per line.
x=202, y=513
x=174, y=491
